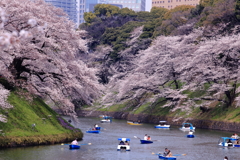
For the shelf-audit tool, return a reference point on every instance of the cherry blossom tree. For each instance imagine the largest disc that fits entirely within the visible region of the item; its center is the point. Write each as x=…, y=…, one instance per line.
x=175, y=64
x=39, y=52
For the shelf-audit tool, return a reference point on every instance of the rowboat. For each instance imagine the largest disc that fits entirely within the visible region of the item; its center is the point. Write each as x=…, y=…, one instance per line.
x=93, y=131
x=133, y=123
x=190, y=136
x=236, y=145
x=124, y=144
x=226, y=142
x=98, y=128
x=105, y=116
x=71, y=146
x=162, y=124
x=187, y=127
x=168, y=158
x=145, y=141
x=106, y=119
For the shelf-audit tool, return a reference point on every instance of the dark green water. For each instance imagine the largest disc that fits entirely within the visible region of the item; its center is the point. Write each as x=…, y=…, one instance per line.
x=104, y=145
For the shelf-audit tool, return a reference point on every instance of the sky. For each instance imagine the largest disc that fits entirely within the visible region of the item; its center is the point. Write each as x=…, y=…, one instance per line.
x=148, y=5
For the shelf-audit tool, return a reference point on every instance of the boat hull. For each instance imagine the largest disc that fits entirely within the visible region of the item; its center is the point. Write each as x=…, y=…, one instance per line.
x=95, y=131
x=168, y=158
x=190, y=136
x=106, y=121
x=187, y=128
x=162, y=126
x=123, y=147
x=145, y=141
x=74, y=146
x=134, y=123
x=98, y=128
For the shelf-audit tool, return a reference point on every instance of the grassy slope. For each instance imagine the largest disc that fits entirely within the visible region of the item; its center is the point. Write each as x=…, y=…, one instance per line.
x=216, y=111
x=24, y=114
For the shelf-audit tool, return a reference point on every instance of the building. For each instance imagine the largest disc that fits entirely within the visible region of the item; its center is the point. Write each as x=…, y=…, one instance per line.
x=80, y=11
x=69, y=6
x=170, y=4
x=136, y=5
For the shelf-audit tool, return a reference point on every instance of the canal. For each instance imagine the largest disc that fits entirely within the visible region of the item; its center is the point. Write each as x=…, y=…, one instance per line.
x=104, y=145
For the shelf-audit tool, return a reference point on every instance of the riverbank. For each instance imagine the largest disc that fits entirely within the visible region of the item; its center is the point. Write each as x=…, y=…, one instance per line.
x=146, y=118
x=32, y=122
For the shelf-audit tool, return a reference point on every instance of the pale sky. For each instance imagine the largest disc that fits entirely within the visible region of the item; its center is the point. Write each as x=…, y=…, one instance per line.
x=148, y=5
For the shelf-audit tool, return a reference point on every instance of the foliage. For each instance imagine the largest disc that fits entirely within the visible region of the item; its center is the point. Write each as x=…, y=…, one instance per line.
x=38, y=51
x=107, y=10
x=89, y=17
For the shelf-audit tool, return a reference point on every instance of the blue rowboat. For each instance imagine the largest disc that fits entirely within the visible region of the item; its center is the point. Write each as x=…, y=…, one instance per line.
x=93, y=131
x=190, y=136
x=145, y=141
x=71, y=146
x=168, y=158
x=98, y=128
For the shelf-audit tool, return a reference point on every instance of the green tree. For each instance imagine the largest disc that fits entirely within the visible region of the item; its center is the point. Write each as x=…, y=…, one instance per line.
x=178, y=9
x=124, y=12
x=105, y=10
x=237, y=9
x=158, y=12
x=89, y=17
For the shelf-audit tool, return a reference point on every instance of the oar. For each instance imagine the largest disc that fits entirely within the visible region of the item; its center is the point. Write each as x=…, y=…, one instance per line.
x=155, y=153
x=136, y=137
x=149, y=140
x=172, y=155
x=79, y=144
x=179, y=154
x=156, y=140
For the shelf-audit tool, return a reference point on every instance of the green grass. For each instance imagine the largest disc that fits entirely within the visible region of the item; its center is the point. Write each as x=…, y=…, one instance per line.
x=142, y=108
x=25, y=113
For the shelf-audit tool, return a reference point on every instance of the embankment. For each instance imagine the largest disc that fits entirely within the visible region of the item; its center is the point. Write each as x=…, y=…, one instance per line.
x=31, y=122
x=145, y=118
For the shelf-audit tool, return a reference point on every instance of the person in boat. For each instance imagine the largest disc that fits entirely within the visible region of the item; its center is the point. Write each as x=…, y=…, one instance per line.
x=225, y=158
x=145, y=137
x=167, y=153
x=121, y=143
x=237, y=142
x=190, y=132
x=126, y=143
x=235, y=136
x=149, y=138
x=229, y=142
x=74, y=142
x=95, y=126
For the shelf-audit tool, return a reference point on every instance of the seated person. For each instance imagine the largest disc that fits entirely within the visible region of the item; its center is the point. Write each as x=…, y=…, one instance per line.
x=237, y=142
x=126, y=143
x=145, y=137
x=229, y=142
x=148, y=138
x=121, y=143
x=74, y=142
x=190, y=132
x=167, y=153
